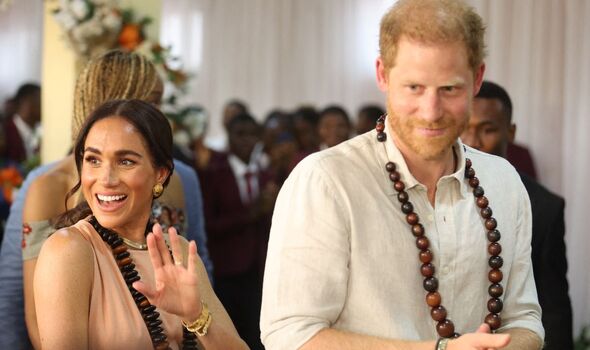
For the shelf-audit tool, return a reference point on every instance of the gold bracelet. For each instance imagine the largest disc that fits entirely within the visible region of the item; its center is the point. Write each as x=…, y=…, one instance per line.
x=201, y=325
x=441, y=344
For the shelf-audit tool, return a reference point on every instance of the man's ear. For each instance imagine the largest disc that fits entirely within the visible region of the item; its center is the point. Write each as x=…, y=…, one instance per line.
x=478, y=78
x=511, y=132
x=382, y=74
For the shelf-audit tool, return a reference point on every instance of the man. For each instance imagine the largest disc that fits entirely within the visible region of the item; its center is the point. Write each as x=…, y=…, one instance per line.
x=21, y=130
x=491, y=130
x=343, y=271
x=333, y=127
x=367, y=117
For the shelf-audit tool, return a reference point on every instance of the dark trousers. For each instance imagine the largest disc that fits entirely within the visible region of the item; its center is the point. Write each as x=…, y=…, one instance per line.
x=241, y=295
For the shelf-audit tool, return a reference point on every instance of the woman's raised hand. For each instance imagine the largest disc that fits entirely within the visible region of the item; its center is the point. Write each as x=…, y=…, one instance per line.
x=176, y=290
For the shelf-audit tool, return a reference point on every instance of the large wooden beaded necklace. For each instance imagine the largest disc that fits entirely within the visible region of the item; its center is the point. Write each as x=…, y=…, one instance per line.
x=445, y=327
x=150, y=316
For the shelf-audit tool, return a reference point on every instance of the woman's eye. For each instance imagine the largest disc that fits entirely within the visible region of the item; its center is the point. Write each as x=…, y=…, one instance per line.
x=91, y=160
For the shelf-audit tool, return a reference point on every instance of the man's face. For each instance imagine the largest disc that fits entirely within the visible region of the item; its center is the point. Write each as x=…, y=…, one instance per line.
x=243, y=137
x=333, y=129
x=488, y=129
x=429, y=94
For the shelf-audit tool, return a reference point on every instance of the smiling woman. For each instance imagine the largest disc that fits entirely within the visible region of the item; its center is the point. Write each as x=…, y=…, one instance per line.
x=96, y=285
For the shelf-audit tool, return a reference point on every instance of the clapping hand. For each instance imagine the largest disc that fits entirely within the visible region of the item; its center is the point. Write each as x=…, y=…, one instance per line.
x=176, y=290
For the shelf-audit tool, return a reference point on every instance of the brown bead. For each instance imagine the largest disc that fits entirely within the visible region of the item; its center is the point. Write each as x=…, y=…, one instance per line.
x=412, y=218
x=495, y=262
x=427, y=270
x=144, y=303
x=495, y=290
x=494, y=321
x=155, y=330
x=122, y=255
x=494, y=249
x=124, y=262
x=425, y=256
x=495, y=305
x=380, y=127
x=478, y=191
x=495, y=276
x=467, y=163
x=469, y=173
x=486, y=212
x=433, y=299
x=399, y=186
x=494, y=236
x=491, y=224
x=403, y=196
x=120, y=249
x=418, y=230
x=381, y=136
x=482, y=202
x=445, y=328
x=438, y=313
x=394, y=177
x=422, y=243
x=474, y=182
x=26, y=229
x=430, y=284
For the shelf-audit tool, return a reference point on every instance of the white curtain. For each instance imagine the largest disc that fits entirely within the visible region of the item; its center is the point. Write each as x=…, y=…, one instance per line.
x=21, y=38
x=283, y=53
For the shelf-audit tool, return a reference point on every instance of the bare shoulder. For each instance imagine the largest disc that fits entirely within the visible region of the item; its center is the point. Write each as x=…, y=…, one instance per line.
x=67, y=247
x=46, y=194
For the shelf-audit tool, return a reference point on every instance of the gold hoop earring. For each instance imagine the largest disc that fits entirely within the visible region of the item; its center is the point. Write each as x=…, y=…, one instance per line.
x=157, y=190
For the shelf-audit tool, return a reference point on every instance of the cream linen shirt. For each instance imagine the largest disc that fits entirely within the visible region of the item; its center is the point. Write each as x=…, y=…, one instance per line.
x=341, y=254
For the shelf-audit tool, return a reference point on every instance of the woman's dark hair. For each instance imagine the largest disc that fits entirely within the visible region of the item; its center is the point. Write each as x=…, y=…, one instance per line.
x=147, y=120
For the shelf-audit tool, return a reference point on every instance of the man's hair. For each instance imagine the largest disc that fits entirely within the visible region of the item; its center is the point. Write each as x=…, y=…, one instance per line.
x=491, y=90
x=242, y=118
x=337, y=110
x=24, y=91
x=371, y=112
x=114, y=75
x=432, y=21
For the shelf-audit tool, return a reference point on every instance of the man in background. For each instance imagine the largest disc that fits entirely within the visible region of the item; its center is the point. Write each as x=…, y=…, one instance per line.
x=22, y=129
x=490, y=130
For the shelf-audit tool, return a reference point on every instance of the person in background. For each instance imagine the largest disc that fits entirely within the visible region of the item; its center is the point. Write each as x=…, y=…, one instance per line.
x=238, y=200
x=388, y=240
x=334, y=126
x=113, y=75
x=367, y=117
x=233, y=108
x=22, y=129
x=107, y=279
x=491, y=130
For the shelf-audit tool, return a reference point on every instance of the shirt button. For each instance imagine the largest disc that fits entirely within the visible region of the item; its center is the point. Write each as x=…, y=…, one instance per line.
x=445, y=270
x=430, y=217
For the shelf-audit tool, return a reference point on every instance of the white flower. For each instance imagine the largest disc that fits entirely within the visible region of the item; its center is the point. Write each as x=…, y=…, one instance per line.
x=65, y=19
x=112, y=21
x=80, y=9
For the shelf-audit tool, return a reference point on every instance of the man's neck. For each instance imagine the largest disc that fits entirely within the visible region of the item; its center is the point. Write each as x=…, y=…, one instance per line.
x=429, y=171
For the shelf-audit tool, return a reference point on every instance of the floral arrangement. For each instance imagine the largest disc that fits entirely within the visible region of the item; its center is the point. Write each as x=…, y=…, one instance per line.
x=10, y=179
x=92, y=27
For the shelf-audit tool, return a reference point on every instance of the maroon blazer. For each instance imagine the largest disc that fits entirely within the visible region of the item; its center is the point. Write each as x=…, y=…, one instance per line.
x=237, y=243
x=15, y=148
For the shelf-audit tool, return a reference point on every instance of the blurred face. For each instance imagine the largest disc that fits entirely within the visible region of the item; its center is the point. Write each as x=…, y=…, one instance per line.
x=333, y=129
x=364, y=124
x=306, y=135
x=488, y=129
x=429, y=94
x=118, y=175
x=242, y=139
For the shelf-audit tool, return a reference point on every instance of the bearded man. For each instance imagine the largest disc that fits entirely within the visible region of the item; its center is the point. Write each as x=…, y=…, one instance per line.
x=389, y=240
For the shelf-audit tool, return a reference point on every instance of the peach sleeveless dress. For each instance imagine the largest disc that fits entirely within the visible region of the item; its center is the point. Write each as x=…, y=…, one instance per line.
x=114, y=320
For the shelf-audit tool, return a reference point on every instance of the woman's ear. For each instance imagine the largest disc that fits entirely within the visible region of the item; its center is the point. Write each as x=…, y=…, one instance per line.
x=162, y=175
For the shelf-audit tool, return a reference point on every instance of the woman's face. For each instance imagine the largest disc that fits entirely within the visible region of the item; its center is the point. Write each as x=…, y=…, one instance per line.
x=118, y=175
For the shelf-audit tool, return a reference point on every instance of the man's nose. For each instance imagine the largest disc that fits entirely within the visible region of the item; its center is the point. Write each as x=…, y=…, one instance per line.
x=431, y=106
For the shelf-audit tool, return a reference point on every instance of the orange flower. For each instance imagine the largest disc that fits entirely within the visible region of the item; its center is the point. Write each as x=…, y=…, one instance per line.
x=130, y=36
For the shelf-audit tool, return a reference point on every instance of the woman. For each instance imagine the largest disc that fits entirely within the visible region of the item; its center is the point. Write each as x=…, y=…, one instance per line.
x=114, y=75
x=92, y=276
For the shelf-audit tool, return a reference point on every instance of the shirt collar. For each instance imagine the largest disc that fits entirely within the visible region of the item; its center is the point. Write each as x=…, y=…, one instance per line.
x=393, y=154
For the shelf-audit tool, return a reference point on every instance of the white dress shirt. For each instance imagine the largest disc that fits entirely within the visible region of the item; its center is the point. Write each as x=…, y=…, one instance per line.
x=342, y=255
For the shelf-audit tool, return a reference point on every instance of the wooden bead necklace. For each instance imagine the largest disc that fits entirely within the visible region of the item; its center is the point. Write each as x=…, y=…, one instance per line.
x=148, y=311
x=445, y=327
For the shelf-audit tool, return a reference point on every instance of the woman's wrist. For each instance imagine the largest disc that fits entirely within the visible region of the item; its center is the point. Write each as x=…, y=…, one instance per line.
x=200, y=325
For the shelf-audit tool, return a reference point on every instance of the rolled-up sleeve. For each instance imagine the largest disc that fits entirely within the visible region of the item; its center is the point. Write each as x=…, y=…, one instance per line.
x=521, y=305
x=307, y=266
